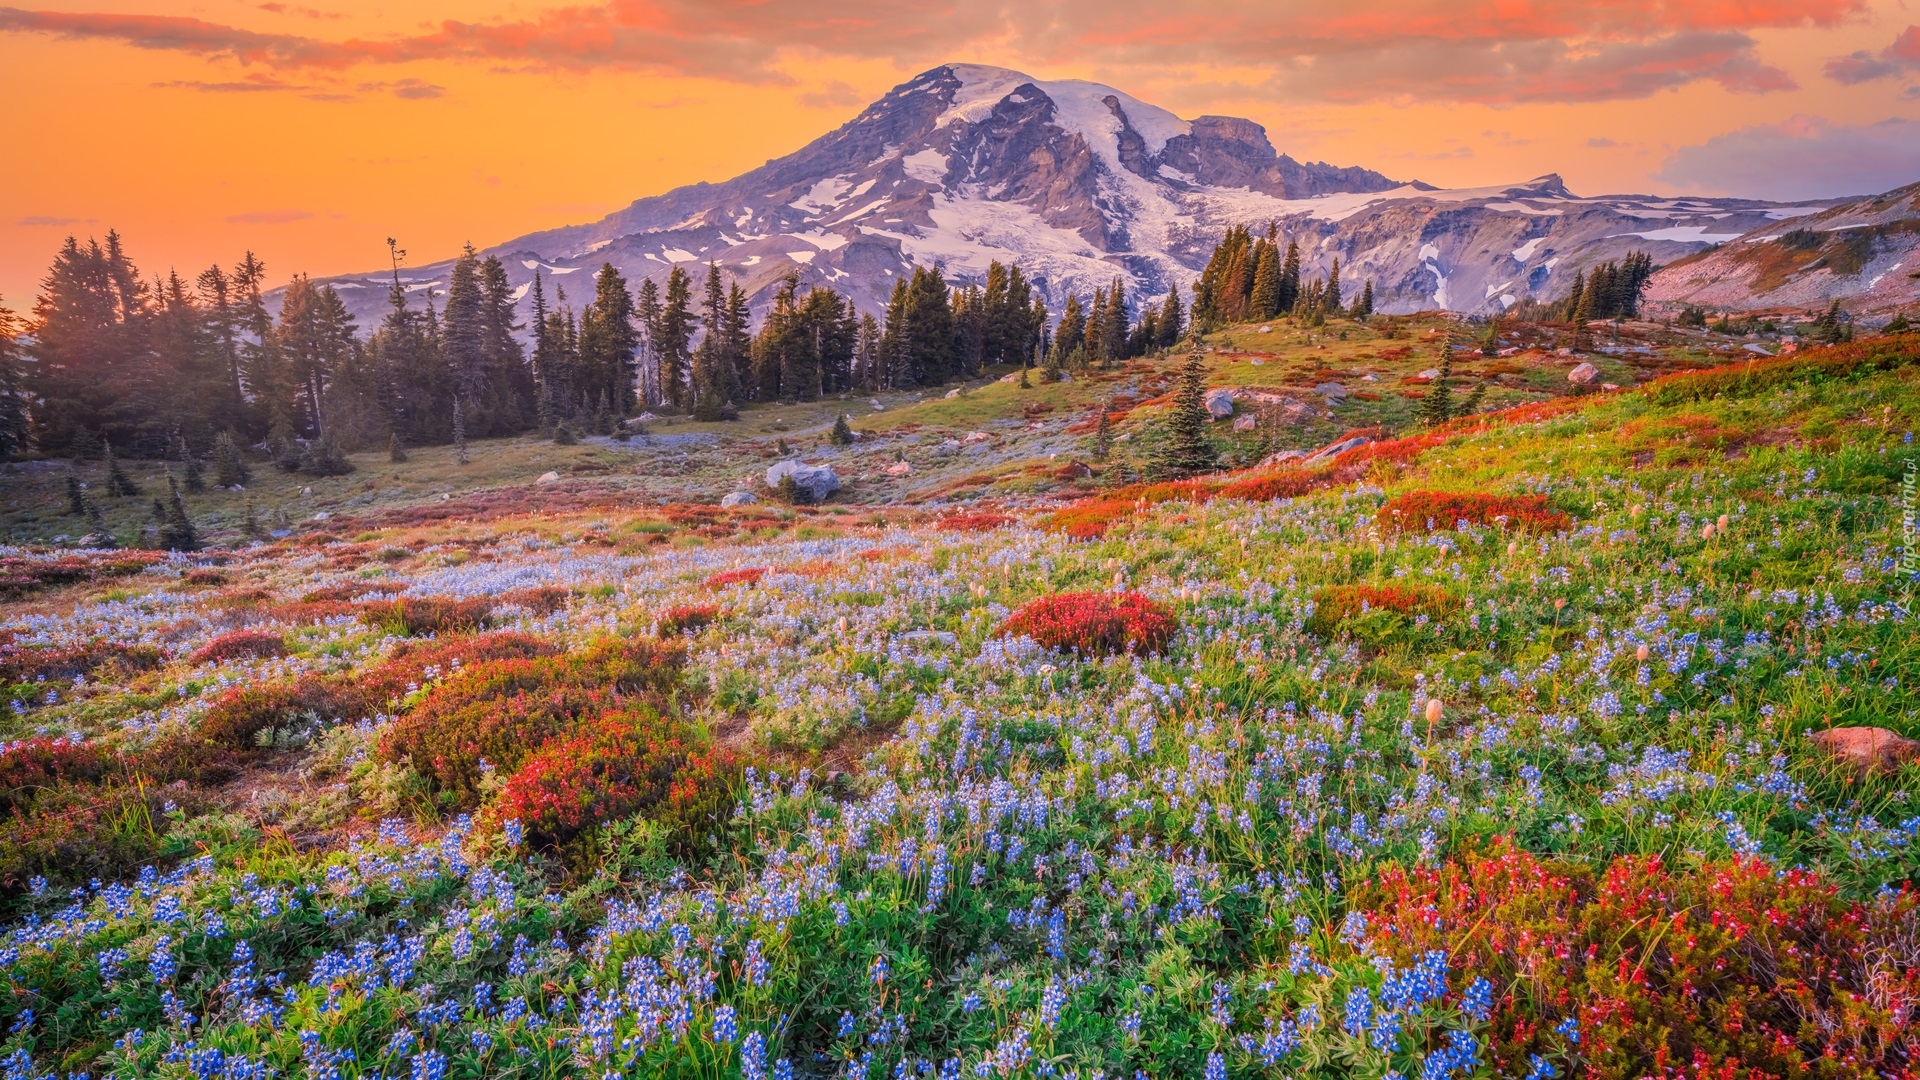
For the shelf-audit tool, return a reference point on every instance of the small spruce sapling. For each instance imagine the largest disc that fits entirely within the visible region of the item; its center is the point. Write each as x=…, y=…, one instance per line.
x=76, y=496
x=842, y=433
x=229, y=469
x=396, y=453
x=118, y=482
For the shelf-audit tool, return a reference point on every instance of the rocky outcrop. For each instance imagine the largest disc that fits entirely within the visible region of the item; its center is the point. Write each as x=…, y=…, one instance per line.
x=1867, y=750
x=816, y=482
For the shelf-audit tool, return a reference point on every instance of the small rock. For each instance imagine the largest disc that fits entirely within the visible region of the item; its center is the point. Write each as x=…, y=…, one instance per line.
x=1583, y=375
x=1220, y=403
x=1332, y=391
x=548, y=477
x=322, y=516
x=1340, y=447
x=874, y=404
x=1868, y=750
x=1266, y=329
x=1368, y=378
x=738, y=498
x=900, y=468
x=1430, y=373
x=973, y=437
x=1609, y=386
x=955, y=392
x=1283, y=457
x=818, y=481
x=1066, y=376
x=1246, y=422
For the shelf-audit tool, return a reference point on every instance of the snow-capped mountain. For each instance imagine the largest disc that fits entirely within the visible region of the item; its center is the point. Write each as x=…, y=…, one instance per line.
x=1080, y=183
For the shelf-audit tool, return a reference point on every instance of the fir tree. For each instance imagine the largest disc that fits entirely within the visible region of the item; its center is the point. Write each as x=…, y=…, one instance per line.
x=1172, y=320
x=1265, y=302
x=229, y=469
x=842, y=433
x=1363, y=307
x=251, y=524
x=1103, y=432
x=85, y=445
x=323, y=457
x=176, y=528
x=97, y=532
x=196, y=475
x=1437, y=406
x=1183, y=448
x=1471, y=404
x=1330, y=299
x=15, y=435
x=1290, y=278
x=76, y=496
x=118, y=482
x=459, y=433
x=563, y=434
x=1582, y=314
x=396, y=453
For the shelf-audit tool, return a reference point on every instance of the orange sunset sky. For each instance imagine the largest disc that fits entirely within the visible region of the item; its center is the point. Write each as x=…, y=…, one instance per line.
x=311, y=131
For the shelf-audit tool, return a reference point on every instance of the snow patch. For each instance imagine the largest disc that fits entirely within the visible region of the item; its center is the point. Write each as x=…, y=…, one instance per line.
x=1685, y=234
x=1079, y=107
x=1525, y=251
x=824, y=195
x=825, y=241
x=679, y=255
x=520, y=292
x=929, y=166
x=801, y=256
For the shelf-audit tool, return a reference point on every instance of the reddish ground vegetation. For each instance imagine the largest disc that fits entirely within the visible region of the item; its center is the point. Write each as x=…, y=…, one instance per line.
x=746, y=575
x=1730, y=969
x=22, y=574
x=1749, y=377
x=623, y=763
x=1434, y=511
x=978, y=521
x=541, y=600
x=499, y=712
x=239, y=645
x=416, y=615
x=679, y=620
x=237, y=717
x=1338, y=603
x=1094, y=623
x=32, y=765
x=33, y=663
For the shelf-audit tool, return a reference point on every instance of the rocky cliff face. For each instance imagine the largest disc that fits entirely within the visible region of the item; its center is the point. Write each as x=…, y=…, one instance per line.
x=1864, y=253
x=1080, y=183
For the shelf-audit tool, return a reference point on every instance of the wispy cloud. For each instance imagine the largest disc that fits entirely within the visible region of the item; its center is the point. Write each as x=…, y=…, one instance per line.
x=1899, y=58
x=42, y=220
x=1477, y=50
x=1806, y=157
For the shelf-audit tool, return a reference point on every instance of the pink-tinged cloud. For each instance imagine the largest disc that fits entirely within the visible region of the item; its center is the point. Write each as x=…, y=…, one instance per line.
x=1806, y=157
x=1549, y=50
x=45, y=221
x=1899, y=58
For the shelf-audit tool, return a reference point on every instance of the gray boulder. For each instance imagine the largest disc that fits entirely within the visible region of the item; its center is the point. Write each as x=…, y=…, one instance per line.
x=738, y=498
x=1332, y=449
x=1332, y=391
x=1220, y=403
x=1583, y=375
x=816, y=481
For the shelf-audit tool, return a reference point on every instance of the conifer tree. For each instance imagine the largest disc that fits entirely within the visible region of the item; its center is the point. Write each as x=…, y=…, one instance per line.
x=673, y=340
x=323, y=457
x=1289, y=278
x=76, y=496
x=118, y=482
x=1437, y=406
x=396, y=453
x=842, y=433
x=609, y=341
x=176, y=528
x=1103, y=431
x=1266, y=283
x=1582, y=314
x=1363, y=307
x=1172, y=320
x=196, y=475
x=1471, y=404
x=459, y=433
x=229, y=469
x=97, y=531
x=15, y=434
x=85, y=445
x=250, y=525
x=1183, y=448
x=1330, y=299
x=1071, y=336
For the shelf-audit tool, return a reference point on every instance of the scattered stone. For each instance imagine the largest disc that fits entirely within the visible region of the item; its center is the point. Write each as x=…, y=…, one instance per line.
x=818, y=481
x=1332, y=391
x=874, y=404
x=1609, y=386
x=1246, y=422
x=900, y=468
x=1868, y=750
x=973, y=437
x=548, y=477
x=322, y=516
x=1266, y=329
x=1331, y=449
x=955, y=392
x=1430, y=373
x=1756, y=349
x=1283, y=457
x=1220, y=403
x=738, y=498
x=1583, y=375
x=1368, y=378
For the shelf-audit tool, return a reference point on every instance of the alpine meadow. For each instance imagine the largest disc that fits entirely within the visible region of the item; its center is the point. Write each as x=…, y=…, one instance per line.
x=1026, y=586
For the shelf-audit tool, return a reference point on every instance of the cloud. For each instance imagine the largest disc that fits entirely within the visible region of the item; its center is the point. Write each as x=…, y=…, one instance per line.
x=295, y=9
x=269, y=217
x=33, y=220
x=409, y=89
x=835, y=94
x=1806, y=157
x=1862, y=66
x=1461, y=50
x=255, y=83
x=1601, y=142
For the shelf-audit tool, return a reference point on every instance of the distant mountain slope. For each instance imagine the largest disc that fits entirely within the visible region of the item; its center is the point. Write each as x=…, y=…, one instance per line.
x=1864, y=253
x=1079, y=183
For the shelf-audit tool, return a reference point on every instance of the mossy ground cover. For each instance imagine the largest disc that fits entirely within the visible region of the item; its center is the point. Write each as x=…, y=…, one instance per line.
x=1527, y=792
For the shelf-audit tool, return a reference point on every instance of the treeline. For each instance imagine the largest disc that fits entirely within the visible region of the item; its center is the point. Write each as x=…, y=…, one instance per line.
x=1611, y=291
x=1249, y=280
x=170, y=367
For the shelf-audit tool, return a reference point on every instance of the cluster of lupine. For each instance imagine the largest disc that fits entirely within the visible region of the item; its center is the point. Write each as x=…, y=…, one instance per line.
x=1266, y=846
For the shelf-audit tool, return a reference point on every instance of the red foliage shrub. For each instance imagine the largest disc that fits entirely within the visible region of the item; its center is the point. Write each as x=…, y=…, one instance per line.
x=240, y=714
x=679, y=620
x=1750, y=377
x=540, y=600
x=241, y=644
x=1089, y=520
x=32, y=663
x=416, y=615
x=1094, y=623
x=1431, y=511
x=1338, y=603
x=1734, y=969
x=746, y=575
x=974, y=522
x=1284, y=484
x=501, y=711
x=31, y=765
x=623, y=763
x=22, y=574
